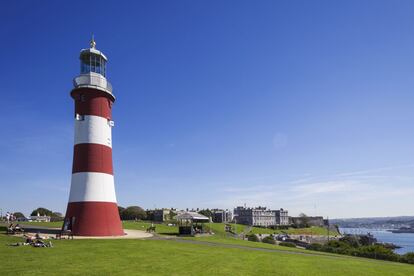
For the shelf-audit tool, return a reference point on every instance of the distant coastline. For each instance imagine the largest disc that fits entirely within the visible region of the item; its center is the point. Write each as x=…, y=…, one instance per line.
x=404, y=240
x=389, y=223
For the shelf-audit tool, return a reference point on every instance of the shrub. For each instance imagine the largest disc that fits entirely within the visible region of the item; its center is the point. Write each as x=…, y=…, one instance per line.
x=315, y=247
x=269, y=239
x=338, y=244
x=287, y=244
x=352, y=240
x=408, y=258
x=56, y=216
x=253, y=238
x=377, y=252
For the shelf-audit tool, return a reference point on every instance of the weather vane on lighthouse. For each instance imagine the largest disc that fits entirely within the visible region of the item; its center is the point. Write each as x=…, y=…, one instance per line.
x=93, y=43
x=92, y=209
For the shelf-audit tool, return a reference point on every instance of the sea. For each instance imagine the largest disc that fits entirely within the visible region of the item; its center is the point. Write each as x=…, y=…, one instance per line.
x=405, y=240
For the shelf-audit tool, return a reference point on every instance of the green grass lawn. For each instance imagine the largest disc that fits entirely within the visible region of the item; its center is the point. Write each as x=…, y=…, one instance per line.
x=217, y=228
x=220, y=236
x=160, y=228
x=55, y=224
x=163, y=229
x=169, y=257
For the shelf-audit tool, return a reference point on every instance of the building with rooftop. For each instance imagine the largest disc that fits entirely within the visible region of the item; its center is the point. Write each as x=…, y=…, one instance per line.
x=220, y=215
x=282, y=217
x=261, y=216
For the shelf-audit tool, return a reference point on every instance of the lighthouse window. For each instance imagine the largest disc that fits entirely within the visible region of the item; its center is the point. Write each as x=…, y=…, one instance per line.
x=80, y=117
x=85, y=64
x=103, y=67
x=93, y=67
x=97, y=65
x=93, y=63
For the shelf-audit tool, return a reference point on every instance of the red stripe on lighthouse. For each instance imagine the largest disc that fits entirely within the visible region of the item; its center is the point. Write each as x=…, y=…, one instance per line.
x=92, y=158
x=92, y=102
x=95, y=218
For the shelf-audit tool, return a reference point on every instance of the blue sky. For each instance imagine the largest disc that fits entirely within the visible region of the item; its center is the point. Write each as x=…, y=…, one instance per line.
x=305, y=105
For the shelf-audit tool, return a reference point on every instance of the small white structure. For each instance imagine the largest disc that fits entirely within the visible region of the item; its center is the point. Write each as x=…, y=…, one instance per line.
x=191, y=223
x=40, y=218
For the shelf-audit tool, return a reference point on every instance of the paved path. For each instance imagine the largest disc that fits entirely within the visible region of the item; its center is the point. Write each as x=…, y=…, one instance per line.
x=130, y=234
x=246, y=231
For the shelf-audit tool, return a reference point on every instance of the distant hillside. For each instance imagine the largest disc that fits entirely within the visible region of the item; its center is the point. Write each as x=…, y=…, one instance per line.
x=375, y=222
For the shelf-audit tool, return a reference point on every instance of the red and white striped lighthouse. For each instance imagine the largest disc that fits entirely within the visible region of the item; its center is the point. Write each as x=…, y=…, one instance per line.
x=92, y=209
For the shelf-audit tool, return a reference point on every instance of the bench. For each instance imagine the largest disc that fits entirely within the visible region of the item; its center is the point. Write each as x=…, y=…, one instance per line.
x=62, y=235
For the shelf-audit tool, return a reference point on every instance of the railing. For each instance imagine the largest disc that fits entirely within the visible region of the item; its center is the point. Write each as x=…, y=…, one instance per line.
x=92, y=79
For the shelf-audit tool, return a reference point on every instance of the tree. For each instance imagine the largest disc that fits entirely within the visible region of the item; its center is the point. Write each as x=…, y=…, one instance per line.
x=133, y=212
x=171, y=215
x=150, y=215
x=304, y=220
x=56, y=216
x=19, y=215
x=206, y=212
x=120, y=209
x=42, y=211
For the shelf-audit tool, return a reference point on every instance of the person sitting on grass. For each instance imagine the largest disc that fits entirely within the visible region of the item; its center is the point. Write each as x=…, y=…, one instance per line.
x=29, y=240
x=41, y=243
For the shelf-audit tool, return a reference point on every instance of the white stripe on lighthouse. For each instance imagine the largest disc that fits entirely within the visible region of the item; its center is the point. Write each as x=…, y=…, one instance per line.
x=92, y=186
x=91, y=129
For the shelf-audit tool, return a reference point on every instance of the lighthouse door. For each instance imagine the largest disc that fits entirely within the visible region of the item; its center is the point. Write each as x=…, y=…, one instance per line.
x=68, y=224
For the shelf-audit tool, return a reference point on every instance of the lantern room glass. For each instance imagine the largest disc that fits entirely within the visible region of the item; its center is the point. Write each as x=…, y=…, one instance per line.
x=93, y=63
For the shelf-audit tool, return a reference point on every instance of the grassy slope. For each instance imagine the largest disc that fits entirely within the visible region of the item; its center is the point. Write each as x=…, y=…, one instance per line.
x=159, y=228
x=160, y=257
x=220, y=236
x=56, y=224
x=217, y=228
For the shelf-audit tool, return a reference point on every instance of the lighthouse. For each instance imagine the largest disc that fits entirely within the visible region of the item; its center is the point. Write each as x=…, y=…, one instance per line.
x=92, y=209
